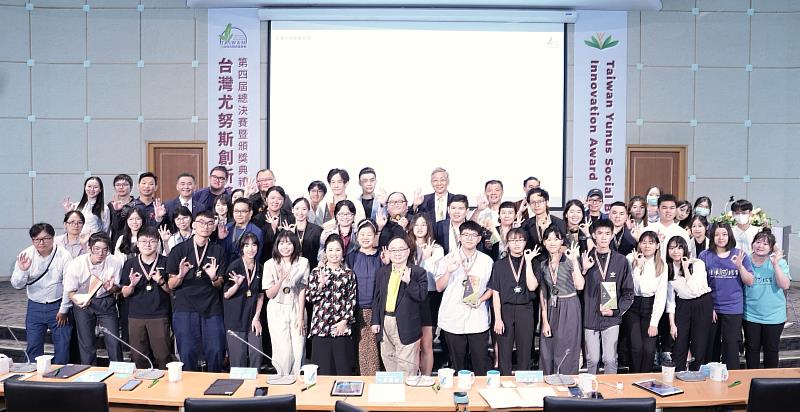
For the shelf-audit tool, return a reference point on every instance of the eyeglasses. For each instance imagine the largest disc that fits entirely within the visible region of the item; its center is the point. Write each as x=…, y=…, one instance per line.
x=219, y=178
x=265, y=180
x=520, y=240
x=398, y=251
x=344, y=214
x=182, y=218
x=470, y=235
x=147, y=241
x=538, y=202
x=121, y=185
x=315, y=191
x=396, y=202
x=241, y=211
x=74, y=223
x=208, y=224
x=41, y=240
x=593, y=200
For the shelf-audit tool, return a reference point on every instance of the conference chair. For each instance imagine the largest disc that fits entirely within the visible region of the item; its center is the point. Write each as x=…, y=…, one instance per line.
x=342, y=406
x=564, y=404
x=773, y=394
x=278, y=403
x=22, y=396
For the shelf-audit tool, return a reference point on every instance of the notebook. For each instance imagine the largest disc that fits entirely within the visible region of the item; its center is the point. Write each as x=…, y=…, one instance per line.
x=225, y=387
x=94, y=376
x=66, y=371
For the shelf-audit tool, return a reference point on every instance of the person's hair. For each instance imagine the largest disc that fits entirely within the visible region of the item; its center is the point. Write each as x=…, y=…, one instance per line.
x=731, y=240
x=741, y=205
x=660, y=192
x=297, y=248
x=184, y=174
x=341, y=205
x=493, y=182
x=508, y=205
x=528, y=179
x=304, y=200
x=181, y=211
x=618, y=203
x=666, y=197
x=98, y=237
x=125, y=246
x=209, y=214
x=410, y=244
x=99, y=204
x=341, y=172
x=74, y=212
x=245, y=201
x=458, y=198
x=366, y=223
x=276, y=189
x=148, y=232
x=222, y=169
x=766, y=234
x=677, y=241
x=520, y=232
x=148, y=174
x=366, y=171
x=317, y=184
x=577, y=203
x=702, y=199
x=440, y=170
x=428, y=224
x=601, y=223
x=657, y=256
x=552, y=229
x=251, y=237
x=702, y=219
x=470, y=225
x=227, y=202
x=124, y=177
x=635, y=199
x=400, y=193
x=333, y=238
x=38, y=228
x=237, y=190
x=537, y=190
x=686, y=222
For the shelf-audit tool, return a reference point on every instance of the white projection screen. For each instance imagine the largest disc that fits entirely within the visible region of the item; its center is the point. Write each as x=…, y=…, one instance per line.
x=483, y=100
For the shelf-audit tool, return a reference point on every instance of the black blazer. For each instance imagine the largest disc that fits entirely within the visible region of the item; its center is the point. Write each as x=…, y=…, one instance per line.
x=533, y=234
x=428, y=206
x=407, y=310
x=260, y=220
x=310, y=246
x=441, y=234
x=173, y=204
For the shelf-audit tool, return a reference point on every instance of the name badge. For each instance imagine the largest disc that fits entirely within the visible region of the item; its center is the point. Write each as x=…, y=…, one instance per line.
x=244, y=373
x=125, y=368
x=389, y=377
x=529, y=376
x=199, y=273
x=286, y=290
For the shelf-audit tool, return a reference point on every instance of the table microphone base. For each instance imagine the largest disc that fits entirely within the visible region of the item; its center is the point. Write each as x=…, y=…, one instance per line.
x=281, y=379
x=22, y=367
x=559, y=380
x=149, y=374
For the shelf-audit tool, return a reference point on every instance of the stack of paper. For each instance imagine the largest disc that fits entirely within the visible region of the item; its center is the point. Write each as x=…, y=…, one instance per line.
x=501, y=398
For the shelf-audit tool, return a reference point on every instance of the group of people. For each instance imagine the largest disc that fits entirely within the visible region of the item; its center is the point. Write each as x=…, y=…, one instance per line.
x=370, y=282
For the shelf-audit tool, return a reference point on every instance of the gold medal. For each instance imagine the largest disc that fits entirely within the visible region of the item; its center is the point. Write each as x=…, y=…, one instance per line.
x=248, y=294
x=199, y=273
x=286, y=290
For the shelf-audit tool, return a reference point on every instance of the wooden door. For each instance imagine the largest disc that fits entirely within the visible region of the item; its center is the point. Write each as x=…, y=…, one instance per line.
x=656, y=165
x=169, y=159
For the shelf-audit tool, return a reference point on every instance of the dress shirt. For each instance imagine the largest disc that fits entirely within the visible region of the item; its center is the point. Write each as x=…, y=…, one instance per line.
x=50, y=288
x=691, y=287
x=295, y=281
x=646, y=284
x=93, y=223
x=75, y=249
x=80, y=271
x=455, y=316
x=669, y=232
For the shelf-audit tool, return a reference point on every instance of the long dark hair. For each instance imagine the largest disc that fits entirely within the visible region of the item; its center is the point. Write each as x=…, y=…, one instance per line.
x=677, y=241
x=99, y=203
x=125, y=245
x=296, y=252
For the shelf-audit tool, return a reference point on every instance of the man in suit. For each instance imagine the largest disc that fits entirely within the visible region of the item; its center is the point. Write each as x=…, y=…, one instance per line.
x=265, y=179
x=394, y=221
x=538, y=201
x=185, y=186
x=396, y=317
x=435, y=205
x=229, y=238
x=446, y=232
x=527, y=184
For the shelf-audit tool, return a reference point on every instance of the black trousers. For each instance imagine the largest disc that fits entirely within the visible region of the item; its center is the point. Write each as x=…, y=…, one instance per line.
x=472, y=345
x=334, y=356
x=758, y=336
x=726, y=338
x=518, y=322
x=643, y=347
x=693, y=319
x=665, y=342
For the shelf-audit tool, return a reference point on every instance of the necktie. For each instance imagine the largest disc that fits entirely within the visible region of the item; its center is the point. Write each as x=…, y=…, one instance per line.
x=440, y=208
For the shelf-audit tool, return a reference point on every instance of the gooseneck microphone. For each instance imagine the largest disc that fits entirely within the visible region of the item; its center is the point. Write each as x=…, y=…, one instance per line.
x=147, y=374
x=21, y=367
x=558, y=378
x=280, y=378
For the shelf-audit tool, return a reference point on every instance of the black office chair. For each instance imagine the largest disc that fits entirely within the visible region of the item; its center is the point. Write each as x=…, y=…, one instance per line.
x=278, y=403
x=22, y=396
x=773, y=394
x=563, y=404
x=342, y=406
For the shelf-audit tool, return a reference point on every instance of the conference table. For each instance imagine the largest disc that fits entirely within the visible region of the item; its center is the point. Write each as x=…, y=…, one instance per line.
x=169, y=396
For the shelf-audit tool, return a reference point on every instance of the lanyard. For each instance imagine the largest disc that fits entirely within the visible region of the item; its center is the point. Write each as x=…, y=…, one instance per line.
x=603, y=269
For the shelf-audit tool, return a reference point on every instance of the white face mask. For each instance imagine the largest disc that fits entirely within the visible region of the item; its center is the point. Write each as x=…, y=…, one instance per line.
x=652, y=200
x=702, y=211
x=742, y=219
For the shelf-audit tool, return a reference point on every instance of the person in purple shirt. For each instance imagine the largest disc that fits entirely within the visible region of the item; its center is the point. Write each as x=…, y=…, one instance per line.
x=728, y=269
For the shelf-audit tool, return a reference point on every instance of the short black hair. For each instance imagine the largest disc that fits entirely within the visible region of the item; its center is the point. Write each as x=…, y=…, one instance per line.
x=123, y=177
x=731, y=239
x=365, y=171
x=341, y=172
x=244, y=200
x=493, y=182
x=602, y=223
x=148, y=232
x=459, y=198
x=741, y=205
x=519, y=232
x=508, y=205
x=148, y=174
x=181, y=211
x=221, y=169
x=537, y=190
x=185, y=174
x=668, y=198
x=74, y=212
x=528, y=179
x=302, y=199
x=287, y=234
x=317, y=184
x=98, y=237
x=276, y=189
x=470, y=225
x=618, y=203
x=38, y=228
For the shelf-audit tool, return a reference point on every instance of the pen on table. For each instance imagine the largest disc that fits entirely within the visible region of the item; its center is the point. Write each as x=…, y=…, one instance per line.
x=155, y=381
x=734, y=384
x=308, y=387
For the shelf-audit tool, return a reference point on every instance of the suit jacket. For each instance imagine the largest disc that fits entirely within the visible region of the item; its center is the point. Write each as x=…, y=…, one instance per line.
x=441, y=234
x=310, y=245
x=232, y=249
x=173, y=204
x=268, y=239
x=533, y=234
x=407, y=310
x=205, y=199
x=428, y=206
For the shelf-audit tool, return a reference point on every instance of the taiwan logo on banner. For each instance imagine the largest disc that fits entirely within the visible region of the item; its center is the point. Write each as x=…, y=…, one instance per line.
x=599, y=108
x=234, y=130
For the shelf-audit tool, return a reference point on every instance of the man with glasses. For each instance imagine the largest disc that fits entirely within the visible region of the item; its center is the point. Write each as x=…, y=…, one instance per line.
x=522, y=207
x=91, y=280
x=463, y=276
x=242, y=213
x=40, y=268
x=435, y=205
x=265, y=179
x=594, y=205
x=395, y=223
x=217, y=180
x=144, y=286
x=538, y=200
x=196, y=274
x=120, y=205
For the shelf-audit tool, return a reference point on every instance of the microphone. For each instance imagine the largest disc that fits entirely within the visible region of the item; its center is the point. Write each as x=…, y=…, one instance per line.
x=147, y=374
x=558, y=378
x=280, y=378
x=21, y=367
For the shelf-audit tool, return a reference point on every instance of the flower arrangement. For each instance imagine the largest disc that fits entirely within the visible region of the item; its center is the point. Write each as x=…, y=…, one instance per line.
x=758, y=218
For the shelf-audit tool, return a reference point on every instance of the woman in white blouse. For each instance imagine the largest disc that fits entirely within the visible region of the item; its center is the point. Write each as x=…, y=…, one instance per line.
x=689, y=305
x=427, y=255
x=650, y=298
x=93, y=207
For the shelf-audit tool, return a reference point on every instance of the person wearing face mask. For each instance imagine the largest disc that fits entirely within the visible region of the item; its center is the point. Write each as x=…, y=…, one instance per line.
x=653, y=194
x=702, y=206
x=743, y=231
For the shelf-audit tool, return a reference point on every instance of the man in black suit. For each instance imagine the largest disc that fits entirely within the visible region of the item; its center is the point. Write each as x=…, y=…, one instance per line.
x=446, y=232
x=527, y=184
x=538, y=201
x=396, y=318
x=435, y=205
x=185, y=186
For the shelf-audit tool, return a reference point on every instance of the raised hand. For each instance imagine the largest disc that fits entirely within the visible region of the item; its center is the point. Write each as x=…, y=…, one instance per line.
x=638, y=260
x=135, y=277
x=385, y=255
x=573, y=252
x=630, y=223
x=211, y=268
x=67, y=204
x=158, y=276
x=184, y=267
x=381, y=219
x=24, y=262
x=738, y=259
x=584, y=226
x=418, y=197
x=222, y=231
x=381, y=195
x=117, y=204
x=517, y=221
x=406, y=278
x=249, y=187
x=483, y=201
x=159, y=209
x=586, y=260
x=427, y=249
x=236, y=278
x=531, y=254
x=164, y=232
x=453, y=263
x=775, y=256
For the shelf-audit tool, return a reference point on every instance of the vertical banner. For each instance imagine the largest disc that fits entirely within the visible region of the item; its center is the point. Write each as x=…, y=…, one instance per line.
x=601, y=60
x=234, y=130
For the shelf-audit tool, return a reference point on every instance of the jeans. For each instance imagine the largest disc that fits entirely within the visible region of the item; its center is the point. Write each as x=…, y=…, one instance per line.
x=40, y=317
x=193, y=331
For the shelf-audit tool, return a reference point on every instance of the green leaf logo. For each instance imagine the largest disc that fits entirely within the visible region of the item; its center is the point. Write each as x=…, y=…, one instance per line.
x=226, y=34
x=600, y=42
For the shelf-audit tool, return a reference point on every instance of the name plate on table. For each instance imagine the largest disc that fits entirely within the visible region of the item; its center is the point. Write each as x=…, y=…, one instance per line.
x=389, y=377
x=529, y=376
x=123, y=368
x=244, y=373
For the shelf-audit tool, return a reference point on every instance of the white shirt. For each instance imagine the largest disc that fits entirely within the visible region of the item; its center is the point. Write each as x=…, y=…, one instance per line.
x=673, y=229
x=49, y=288
x=75, y=249
x=93, y=223
x=295, y=281
x=176, y=239
x=744, y=238
x=646, y=284
x=694, y=286
x=187, y=203
x=455, y=316
x=80, y=270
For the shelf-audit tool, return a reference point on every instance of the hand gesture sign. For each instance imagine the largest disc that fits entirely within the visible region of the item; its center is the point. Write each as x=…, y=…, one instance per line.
x=453, y=263
x=586, y=260
x=164, y=232
x=584, y=226
x=184, y=267
x=249, y=187
x=236, y=278
x=211, y=268
x=531, y=254
x=406, y=278
x=775, y=257
x=159, y=209
x=135, y=277
x=222, y=230
x=24, y=262
x=381, y=195
x=381, y=219
x=738, y=259
x=483, y=201
x=638, y=260
x=573, y=252
x=418, y=198
x=117, y=204
x=67, y=204
x=158, y=276
x=427, y=249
